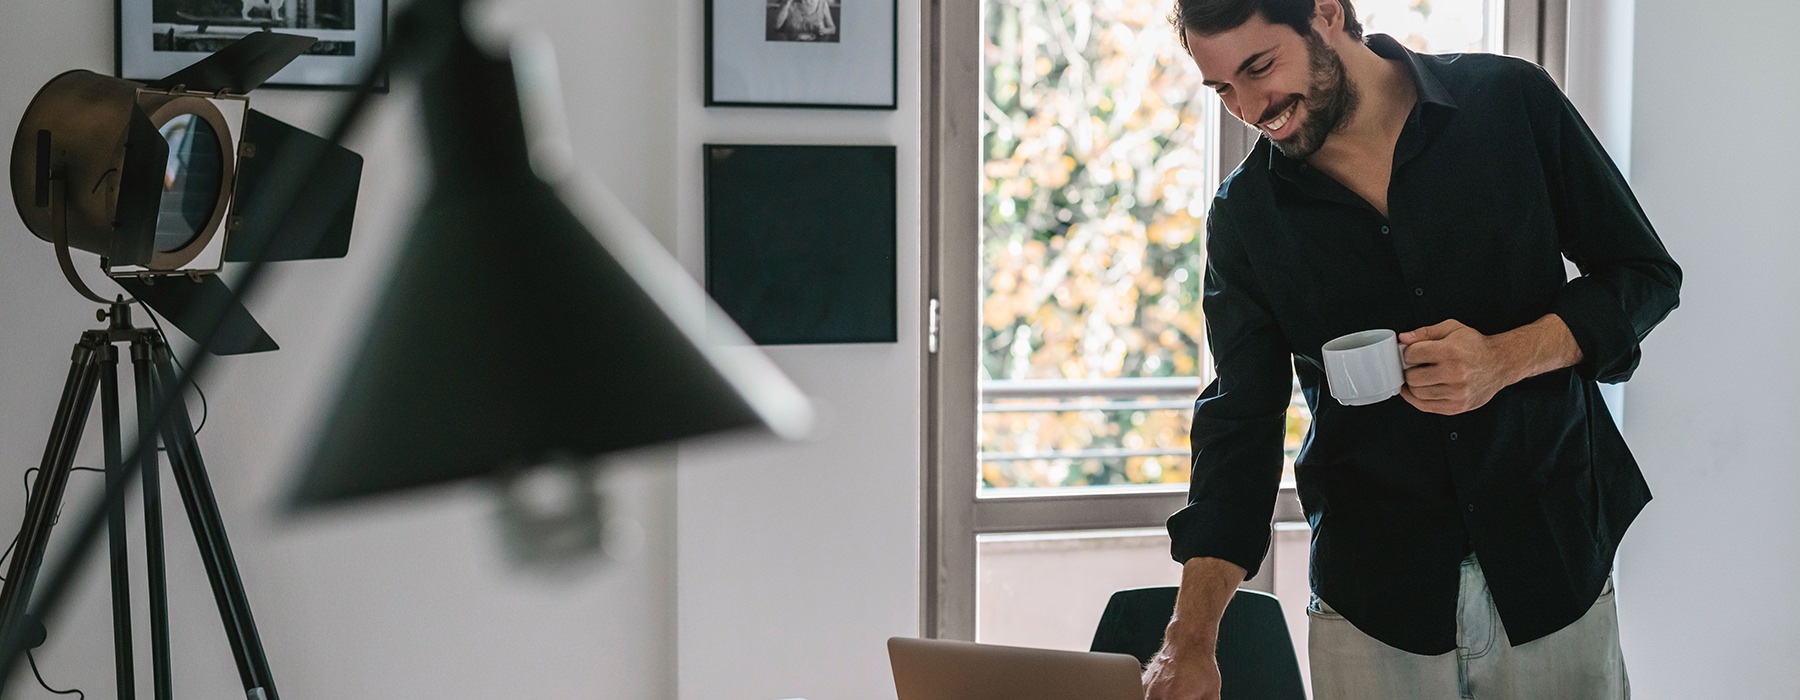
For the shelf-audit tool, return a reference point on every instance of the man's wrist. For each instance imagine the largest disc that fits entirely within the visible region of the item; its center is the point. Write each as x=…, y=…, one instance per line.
x=1544, y=345
x=1191, y=637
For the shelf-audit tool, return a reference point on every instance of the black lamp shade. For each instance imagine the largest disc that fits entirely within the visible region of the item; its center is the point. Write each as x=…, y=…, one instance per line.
x=510, y=335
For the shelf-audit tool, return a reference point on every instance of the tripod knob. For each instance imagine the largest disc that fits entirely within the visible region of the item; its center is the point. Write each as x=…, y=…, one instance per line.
x=119, y=312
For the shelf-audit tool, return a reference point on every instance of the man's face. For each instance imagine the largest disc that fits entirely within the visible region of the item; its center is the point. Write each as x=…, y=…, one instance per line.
x=1290, y=87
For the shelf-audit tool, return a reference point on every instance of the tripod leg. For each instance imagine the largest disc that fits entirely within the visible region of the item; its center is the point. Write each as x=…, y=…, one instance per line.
x=209, y=531
x=155, y=564
x=47, y=493
x=115, y=521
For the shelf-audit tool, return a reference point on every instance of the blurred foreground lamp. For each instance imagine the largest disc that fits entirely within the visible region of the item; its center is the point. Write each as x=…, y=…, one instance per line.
x=158, y=178
x=530, y=325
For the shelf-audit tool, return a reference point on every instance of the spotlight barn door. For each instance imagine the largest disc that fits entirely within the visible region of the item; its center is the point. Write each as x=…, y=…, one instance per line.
x=191, y=302
x=321, y=228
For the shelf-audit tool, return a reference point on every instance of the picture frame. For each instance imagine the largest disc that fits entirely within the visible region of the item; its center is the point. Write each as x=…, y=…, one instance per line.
x=801, y=242
x=155, y=38
x=817, y=54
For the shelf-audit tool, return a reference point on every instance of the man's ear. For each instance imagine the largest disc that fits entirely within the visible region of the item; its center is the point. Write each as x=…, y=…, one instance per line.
x=1328, y=16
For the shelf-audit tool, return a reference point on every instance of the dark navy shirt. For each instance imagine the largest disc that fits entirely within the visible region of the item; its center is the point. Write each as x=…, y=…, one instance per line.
x=1496, y=179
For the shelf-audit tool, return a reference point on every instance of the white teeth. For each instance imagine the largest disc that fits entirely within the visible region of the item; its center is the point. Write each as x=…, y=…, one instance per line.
x=1275, y=124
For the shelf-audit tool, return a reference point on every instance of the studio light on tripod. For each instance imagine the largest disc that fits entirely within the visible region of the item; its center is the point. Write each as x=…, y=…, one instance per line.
x=157, y=179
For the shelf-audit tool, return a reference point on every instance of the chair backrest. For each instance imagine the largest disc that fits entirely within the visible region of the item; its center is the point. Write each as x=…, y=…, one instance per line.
x=1256, y=655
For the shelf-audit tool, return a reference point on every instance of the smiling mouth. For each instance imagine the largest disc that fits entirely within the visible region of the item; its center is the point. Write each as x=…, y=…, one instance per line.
x=1281, y=120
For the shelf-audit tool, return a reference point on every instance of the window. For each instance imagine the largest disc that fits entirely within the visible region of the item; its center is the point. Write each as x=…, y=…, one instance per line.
x=1067, y=296
x=1095, y=178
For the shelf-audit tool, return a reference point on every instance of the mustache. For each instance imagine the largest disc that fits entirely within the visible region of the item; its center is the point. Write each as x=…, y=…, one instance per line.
x=1277, y=109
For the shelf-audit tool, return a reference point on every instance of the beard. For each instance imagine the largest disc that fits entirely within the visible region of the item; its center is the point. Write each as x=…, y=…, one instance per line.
x=1332, y=99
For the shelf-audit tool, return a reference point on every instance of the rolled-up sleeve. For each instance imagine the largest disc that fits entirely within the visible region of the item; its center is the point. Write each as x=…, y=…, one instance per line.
x=1239, y=419
x=1628, y=282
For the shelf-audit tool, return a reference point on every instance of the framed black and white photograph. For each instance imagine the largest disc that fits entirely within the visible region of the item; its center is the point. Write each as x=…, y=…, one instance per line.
x=801, y=242
x=803, y=20
x=800, y=53
x=158, y=37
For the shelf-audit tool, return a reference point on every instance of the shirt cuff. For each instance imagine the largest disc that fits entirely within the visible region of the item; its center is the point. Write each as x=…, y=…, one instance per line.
x=1207, y=530
x=1609, y=347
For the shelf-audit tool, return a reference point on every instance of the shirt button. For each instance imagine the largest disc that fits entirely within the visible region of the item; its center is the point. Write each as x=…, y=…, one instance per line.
x=1471, y=507
x=1453, y=437
x=1418, y=291
x=1384, y=230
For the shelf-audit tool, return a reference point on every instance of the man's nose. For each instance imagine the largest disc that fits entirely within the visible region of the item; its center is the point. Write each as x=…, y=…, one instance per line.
x=1247, y=109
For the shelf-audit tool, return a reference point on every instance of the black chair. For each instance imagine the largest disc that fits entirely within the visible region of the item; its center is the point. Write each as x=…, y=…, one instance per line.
x=1256, y=655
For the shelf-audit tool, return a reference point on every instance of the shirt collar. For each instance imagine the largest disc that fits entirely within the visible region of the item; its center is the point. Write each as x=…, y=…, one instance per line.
x=1431, y=91
x=1434, y=106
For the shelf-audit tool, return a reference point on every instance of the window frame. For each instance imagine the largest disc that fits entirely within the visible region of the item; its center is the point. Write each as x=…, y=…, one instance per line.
x=952, y=513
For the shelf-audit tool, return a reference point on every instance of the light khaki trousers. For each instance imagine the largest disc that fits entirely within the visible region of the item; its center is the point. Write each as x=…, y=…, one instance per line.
x=1579, y=662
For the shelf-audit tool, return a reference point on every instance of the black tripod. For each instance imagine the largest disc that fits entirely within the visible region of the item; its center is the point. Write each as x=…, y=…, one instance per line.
x=95, y=364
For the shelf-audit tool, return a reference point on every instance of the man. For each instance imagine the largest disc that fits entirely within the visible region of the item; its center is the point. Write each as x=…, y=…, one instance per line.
x=1463, y=532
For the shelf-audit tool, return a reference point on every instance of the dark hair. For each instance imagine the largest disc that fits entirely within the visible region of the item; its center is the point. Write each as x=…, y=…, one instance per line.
x=1215, y=16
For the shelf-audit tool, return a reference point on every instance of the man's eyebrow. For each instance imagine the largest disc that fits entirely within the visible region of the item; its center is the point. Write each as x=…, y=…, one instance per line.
x=1255, y=57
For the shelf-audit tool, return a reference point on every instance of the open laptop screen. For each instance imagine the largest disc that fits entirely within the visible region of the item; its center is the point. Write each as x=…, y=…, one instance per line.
x=932, y=669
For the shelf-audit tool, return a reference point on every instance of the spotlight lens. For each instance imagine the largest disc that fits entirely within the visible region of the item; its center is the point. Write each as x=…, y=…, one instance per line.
x=190, y=183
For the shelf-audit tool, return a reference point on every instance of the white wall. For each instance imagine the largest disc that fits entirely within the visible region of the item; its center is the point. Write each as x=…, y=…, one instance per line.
x=1707, y=573
x=797, y=562
x=405, y=600
x=1599, y=68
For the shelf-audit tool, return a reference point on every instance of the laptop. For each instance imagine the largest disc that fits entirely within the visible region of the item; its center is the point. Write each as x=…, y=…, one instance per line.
x=936, y=669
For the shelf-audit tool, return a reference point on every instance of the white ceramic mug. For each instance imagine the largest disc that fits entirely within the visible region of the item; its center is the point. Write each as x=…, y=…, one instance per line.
x=1364, y=368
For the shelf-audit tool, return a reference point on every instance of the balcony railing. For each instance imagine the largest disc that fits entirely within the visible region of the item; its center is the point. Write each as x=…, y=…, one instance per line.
x=1177, y=387
x=1014, y=446
x=1108, y=397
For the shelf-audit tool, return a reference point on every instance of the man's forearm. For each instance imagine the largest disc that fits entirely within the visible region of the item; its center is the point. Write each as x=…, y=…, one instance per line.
x=1207, y=585
x=1544, y=345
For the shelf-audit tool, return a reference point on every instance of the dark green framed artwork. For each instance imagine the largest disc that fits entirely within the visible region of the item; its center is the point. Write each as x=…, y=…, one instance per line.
x=800, y=241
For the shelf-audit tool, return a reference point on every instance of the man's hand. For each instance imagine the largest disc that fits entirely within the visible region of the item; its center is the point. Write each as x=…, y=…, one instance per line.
x=1186, y=668
x=1179, y=675
x=1452, y=368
